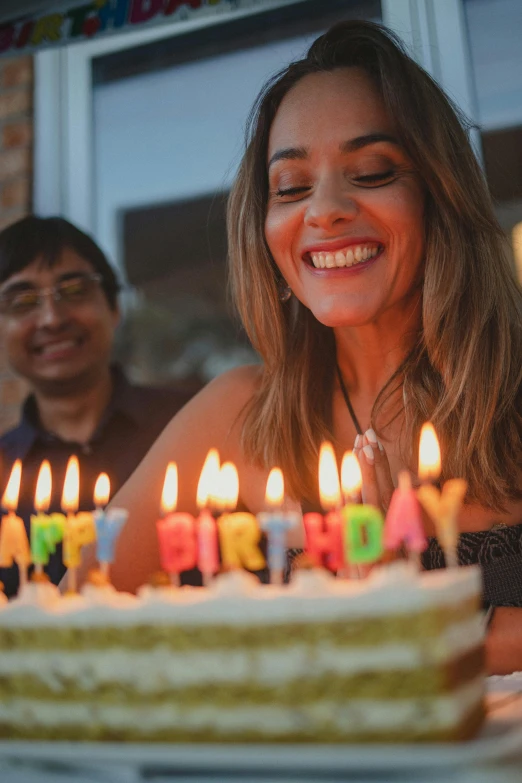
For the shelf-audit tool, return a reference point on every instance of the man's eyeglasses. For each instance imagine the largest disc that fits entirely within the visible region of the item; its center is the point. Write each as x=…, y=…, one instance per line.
x=74, y=290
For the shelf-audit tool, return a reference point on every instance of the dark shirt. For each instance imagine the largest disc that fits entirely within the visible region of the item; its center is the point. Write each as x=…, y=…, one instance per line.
x=134, y=418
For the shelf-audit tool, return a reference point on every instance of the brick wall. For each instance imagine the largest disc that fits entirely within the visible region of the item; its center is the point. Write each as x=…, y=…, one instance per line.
x=16, y=152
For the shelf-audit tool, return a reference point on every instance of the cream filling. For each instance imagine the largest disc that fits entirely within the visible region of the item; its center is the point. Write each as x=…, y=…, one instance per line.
x=153, y=670
x=347, y=257
x=354, y=716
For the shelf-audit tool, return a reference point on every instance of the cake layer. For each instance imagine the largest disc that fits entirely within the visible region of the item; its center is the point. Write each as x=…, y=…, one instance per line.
x=447, y=716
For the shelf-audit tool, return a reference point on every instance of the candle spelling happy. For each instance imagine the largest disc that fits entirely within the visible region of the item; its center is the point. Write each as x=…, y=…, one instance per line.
x=14, y=544
x=46, y=529
x=108, y=524
x=79, y=529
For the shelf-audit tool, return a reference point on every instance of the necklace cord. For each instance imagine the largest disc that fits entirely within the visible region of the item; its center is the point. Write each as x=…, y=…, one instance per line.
x=348, y=402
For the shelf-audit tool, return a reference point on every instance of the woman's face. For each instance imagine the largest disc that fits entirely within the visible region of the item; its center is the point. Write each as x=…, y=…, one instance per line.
x=344, y=218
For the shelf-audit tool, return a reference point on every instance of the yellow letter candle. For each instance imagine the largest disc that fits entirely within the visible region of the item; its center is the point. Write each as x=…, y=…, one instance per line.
x=239, y=532
x=46, y=530
x=79, y=528
x=444, y=506
x=14, y=544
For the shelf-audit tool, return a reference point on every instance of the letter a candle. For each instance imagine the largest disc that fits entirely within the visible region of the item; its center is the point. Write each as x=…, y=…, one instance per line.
x=14, y=543
x=46, y=530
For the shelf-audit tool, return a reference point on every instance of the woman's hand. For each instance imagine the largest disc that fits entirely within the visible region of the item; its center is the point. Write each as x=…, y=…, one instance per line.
x=377, y=487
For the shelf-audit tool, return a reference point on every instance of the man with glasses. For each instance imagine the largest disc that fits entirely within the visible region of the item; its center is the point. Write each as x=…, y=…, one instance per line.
x=58, y=315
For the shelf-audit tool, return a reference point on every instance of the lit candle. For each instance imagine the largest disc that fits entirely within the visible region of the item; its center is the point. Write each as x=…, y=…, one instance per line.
x=239, y=532
x=403, y=523
x=47, y=530
x=276, y=523
x=108, y=524
x=79, y=528
x=14, y=544
x=324, y=535
x=442, y=506
x=176, y=530
x=208, y=549
x=363, y=523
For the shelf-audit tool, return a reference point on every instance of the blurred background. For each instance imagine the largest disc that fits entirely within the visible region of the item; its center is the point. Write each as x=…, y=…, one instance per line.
x=134, y=133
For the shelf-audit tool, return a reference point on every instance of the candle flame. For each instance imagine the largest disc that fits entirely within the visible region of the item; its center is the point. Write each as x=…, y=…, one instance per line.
x=208, y=481
x=329, y=487
x=169, y=496
x=71, y=486
x=10, y=498
x=429, y=454
x=102, y=490
x=42, y=497
x=275, y=488
x=351, y=477
x=228, y=486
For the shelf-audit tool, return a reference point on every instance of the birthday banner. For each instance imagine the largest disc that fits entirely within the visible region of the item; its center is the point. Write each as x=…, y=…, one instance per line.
x=90, y=20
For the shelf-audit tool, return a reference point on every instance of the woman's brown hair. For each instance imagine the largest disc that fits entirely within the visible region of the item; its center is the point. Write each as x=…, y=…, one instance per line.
x=465, y=372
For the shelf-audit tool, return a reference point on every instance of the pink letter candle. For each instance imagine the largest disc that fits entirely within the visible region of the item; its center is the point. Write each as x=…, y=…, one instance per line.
x=176, y=531
x=324, y=535
x=403, y=524
x=14, y=543
x=207, y=537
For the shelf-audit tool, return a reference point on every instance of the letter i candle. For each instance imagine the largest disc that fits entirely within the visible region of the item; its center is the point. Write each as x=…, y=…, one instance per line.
x=14, y=544
x=206, y=529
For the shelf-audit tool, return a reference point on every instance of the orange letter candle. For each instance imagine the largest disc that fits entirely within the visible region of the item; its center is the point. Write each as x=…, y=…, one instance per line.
x=14, y=544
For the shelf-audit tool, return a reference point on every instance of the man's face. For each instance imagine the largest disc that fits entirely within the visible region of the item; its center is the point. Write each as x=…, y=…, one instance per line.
x=57, y=343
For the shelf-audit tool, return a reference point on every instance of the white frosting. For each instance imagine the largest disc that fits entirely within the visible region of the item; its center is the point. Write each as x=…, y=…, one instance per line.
x=234, y=600
x=107, y=595
x=3, y=598
x=43, y=594
x=356, y=715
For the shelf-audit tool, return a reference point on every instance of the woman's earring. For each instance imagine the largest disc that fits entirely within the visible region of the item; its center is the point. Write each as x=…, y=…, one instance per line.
x=285, y=292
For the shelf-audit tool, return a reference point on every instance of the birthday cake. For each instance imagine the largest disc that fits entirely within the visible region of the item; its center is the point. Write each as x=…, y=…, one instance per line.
x=396, y=657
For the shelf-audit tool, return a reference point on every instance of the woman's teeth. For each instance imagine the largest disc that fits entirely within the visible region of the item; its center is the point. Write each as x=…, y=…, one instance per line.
x=341, y=258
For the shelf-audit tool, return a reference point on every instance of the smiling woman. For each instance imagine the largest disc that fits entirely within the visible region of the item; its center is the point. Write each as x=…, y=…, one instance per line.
x=360, y=195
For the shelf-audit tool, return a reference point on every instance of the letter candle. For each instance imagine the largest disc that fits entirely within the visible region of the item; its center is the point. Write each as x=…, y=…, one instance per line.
x=442, y=506
x=324, y=535
x=46, y=530
x=276, y=523
x=176, y=531
x=14, y=543
x=239, y=532
x=363, y=523
x=403, y=523
x=79, y=528
x=108, y=524
x=206, y=530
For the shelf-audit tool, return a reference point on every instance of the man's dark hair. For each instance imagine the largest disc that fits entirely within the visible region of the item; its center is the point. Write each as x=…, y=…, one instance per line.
x=45, y=238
